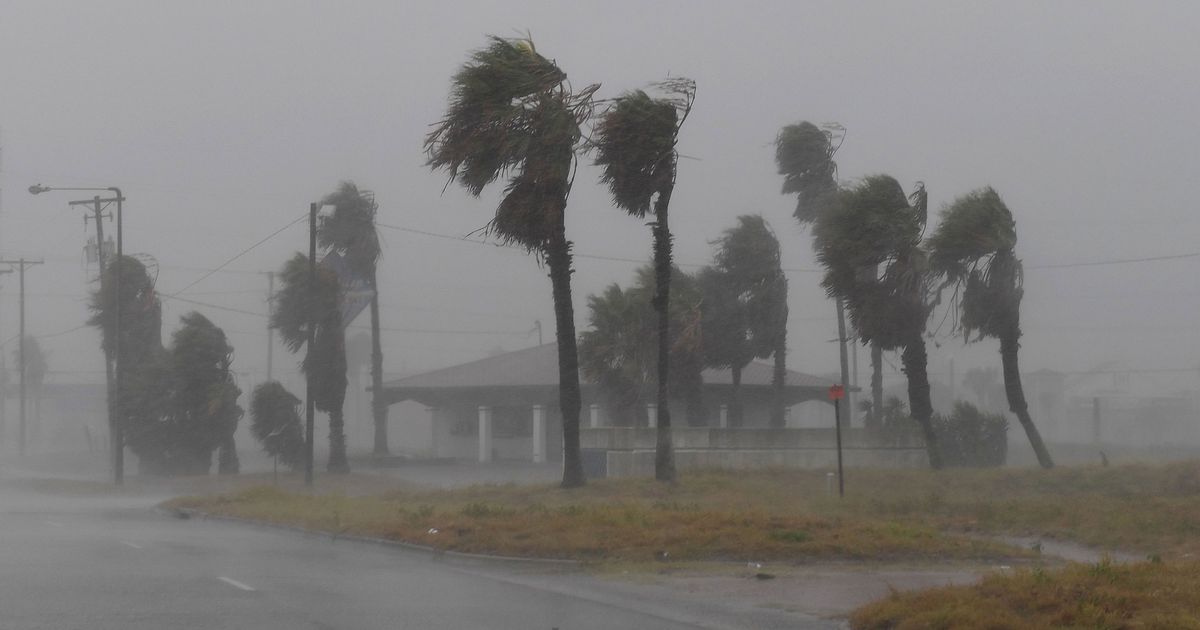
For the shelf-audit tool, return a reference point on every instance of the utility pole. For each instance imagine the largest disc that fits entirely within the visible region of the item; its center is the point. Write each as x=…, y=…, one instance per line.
x=21, y=265
x=270, y=330
x=309, y=408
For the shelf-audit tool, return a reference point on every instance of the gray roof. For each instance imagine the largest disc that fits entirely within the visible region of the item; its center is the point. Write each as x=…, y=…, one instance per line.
x=538, y=367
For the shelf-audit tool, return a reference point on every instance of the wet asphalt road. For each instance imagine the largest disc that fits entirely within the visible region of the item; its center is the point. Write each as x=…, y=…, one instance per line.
x=99, y=563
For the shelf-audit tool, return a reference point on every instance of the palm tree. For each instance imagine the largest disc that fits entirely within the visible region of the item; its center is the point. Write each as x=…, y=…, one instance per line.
x=635, y=142
x=275, y=423
x=350, y=231
x=325, y=361
x=745, y=306
x=804, y=156
x=203, y=412
x=619, y=352
x=869, y=244
x=513, y=114
x=973, y=248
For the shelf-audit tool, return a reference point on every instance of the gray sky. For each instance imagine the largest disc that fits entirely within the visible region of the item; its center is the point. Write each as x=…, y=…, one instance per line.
x=223, y=120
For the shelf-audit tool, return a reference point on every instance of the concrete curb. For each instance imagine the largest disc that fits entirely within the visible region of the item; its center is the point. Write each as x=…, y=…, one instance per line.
x=434, y=552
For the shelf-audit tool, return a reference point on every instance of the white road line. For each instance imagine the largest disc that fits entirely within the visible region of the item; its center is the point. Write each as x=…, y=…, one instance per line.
x=129, y=544
x=236, y=584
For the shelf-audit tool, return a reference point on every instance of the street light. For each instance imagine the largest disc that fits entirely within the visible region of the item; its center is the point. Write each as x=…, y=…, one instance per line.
x=116, y=428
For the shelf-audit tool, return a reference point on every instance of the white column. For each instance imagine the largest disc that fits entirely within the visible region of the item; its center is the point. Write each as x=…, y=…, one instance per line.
x=651, y=415
x=433, y=430
x=594, y=416
x=787, y=417
x=724, y=422
x=539, y=434
x=485, y=434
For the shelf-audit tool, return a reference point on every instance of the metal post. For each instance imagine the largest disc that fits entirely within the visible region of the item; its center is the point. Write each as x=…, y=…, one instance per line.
x=21, y=360
x=97, y=217
x=309, y=409
x=837, y=423
x=838, y=404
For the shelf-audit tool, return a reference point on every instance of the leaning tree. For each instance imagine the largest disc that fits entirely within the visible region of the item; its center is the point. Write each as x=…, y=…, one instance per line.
x=973, y=247
x=275, y=423
x=870, y=246
x=513, y=114
x=635, y=143
x=202, y=414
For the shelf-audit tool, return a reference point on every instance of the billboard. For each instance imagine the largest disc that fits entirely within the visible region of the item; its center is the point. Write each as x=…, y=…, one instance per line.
x=356, y=291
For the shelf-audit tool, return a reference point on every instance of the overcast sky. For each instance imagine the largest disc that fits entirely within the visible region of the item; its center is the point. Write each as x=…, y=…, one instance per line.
x=223, y=120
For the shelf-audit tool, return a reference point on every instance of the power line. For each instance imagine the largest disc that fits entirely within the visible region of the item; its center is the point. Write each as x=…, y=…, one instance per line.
x=242, y=253
x=1116, y=261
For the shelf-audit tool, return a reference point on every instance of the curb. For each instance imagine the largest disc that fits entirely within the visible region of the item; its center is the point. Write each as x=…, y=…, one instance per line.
x=434, y=552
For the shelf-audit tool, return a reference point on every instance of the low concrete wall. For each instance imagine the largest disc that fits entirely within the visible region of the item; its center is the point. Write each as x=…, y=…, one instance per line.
x=625, y=452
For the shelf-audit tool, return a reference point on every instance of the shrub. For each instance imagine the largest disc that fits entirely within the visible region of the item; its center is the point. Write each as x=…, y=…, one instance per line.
x=970, y=437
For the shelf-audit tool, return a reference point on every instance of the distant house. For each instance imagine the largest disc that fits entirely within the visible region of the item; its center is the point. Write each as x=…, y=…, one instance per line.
x=513, y=398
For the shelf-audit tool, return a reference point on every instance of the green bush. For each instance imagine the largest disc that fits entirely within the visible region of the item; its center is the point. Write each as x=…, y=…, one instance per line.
x=970, y=437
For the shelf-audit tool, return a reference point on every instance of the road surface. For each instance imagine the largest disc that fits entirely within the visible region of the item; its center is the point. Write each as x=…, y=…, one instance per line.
x=115, y=562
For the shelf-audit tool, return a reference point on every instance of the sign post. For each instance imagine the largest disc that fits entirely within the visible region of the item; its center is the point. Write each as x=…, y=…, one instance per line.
x=836, y=394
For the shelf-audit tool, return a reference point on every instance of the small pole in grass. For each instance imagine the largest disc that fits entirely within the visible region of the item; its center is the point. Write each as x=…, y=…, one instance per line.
x=836, y=394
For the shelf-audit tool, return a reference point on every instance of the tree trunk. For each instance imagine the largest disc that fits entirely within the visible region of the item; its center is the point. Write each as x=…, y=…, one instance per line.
x=227, y=458
x=916, y=369
x=558, y=258
x=379, y=406
x=735, y=397
x=876, y=386
x=1009, y=345
x=337, y=442
x=664, y=453
x=779, y=376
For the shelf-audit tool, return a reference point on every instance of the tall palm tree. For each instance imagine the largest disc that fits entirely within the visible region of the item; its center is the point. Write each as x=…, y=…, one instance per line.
x=635, y=142
x=804, y=156
x=869, y=244
x=973, y=248
x=513, y=114
x=325, y=361
x=350, y=231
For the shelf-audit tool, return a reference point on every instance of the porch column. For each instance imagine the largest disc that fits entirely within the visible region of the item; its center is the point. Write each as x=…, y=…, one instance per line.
x=652, y=415
x=539, y=434
x=485, y=434
x=724, y=422
x=594, y=416
x=433, y=430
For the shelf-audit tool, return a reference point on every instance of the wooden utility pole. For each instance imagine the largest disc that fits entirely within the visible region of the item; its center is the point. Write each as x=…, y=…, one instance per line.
x=309, y=408
x=270, y=330
x=21, y=265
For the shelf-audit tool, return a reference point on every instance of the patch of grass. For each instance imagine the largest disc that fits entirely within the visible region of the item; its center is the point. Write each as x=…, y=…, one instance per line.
x=1102, y=595
x=766, y=515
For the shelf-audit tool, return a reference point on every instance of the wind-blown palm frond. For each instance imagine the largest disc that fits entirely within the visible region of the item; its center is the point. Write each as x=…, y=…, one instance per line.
x=350, y=228
x=635, y=143
x=972, y=228
x=804, y=156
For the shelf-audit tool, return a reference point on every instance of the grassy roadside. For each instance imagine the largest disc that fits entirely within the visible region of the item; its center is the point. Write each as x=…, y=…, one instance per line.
x=1103, y=595
x=771, y=515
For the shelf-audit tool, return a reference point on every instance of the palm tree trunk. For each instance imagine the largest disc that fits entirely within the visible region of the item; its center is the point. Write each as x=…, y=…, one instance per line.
x=876, y=386
x=1009, y=344
x=779, y=376
x=916, y=369
x=227, y=458
x=735, y=399
x=337, y=442
x=664, y=453
x=558, y=258
x=379, y=406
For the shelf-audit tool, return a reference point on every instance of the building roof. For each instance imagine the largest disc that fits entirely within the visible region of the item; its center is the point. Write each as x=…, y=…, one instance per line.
x=538, y=367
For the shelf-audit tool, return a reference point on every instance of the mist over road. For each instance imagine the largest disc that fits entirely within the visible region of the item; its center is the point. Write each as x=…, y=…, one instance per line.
x=114, y=562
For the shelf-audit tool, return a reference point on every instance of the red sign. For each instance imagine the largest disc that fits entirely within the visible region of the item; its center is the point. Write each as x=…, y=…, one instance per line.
x=837, y=392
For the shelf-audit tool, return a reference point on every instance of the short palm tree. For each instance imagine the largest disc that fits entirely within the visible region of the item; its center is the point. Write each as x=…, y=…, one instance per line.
x=873, y=227
x=325, y=361
x=350, y=231
x=513, y=114
x=973, y=248
x=275, y=423
x=635, y=145
x=745, y=305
